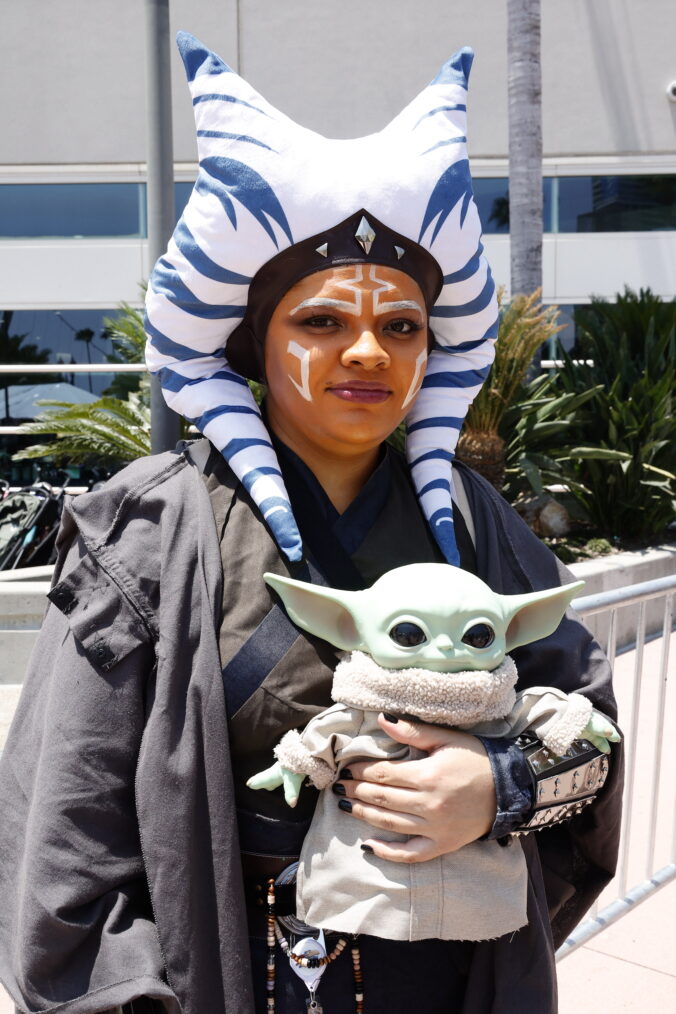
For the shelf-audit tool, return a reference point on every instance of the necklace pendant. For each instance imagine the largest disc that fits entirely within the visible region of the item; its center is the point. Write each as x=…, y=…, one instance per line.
x=313, y=1005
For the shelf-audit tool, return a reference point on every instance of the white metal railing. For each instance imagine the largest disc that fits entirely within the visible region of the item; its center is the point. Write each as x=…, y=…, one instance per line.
x=628, y=897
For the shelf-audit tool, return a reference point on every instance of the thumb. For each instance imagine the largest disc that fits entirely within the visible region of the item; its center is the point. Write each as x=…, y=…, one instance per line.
x=418, y=734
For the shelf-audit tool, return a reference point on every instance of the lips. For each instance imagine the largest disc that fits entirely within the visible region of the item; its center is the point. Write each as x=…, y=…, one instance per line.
x=361, y=391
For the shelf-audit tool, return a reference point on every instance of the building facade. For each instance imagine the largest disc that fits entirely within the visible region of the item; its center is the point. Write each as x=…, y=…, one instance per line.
x=72, y=143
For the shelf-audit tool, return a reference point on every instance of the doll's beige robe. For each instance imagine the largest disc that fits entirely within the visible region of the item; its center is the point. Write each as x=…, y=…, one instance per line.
x=476, y=893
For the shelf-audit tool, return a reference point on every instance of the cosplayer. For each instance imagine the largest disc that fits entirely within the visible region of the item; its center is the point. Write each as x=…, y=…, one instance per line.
x=134, y=859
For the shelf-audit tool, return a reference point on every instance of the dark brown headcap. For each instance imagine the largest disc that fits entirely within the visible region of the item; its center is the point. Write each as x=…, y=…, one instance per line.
x=360, y=239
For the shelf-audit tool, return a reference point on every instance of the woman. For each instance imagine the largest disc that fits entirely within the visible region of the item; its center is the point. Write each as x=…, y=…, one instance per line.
x=165, y=672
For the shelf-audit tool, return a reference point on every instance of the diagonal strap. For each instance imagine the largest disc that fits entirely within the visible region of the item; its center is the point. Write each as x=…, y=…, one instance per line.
x=248, y=669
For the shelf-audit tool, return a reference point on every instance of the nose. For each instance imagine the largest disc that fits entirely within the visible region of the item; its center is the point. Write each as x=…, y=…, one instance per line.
x=365, y=351
x=444, y=643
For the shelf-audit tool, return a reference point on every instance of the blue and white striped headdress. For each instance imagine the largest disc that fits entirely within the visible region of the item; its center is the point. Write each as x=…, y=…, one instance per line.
x=266, y=184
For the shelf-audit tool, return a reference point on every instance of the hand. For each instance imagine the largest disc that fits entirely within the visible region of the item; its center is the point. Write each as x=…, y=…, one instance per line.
x=600, y=732
x=444, y=800
x=275, y=776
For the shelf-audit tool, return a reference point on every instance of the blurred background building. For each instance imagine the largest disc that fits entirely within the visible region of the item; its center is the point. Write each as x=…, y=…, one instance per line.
x=72, y=139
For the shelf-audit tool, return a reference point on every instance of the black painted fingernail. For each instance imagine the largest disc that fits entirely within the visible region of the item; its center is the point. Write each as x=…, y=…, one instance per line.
x=390, y=718
x=366, y=848
x=346, y=775
x=338, y=789
x=345, y=804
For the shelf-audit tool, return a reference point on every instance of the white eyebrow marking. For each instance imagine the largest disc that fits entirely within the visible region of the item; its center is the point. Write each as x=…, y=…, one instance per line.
x=415, y=382
x=355, y=307
x=294, y=349
x=401, y=304
x=339, y=304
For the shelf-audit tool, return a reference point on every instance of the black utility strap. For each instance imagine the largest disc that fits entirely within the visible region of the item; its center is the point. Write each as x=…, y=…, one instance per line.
x=269, y=643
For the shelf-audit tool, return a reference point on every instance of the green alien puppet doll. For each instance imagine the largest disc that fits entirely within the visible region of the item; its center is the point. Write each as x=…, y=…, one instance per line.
x=428, y=641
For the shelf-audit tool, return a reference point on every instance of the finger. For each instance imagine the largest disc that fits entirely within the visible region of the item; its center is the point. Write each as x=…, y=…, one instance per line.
x=599, y=725
x=292, y=785
x=415, y=850
x=599, y=742
x=385, y=820
x=386, y=798
x=419, y=734
x=404, y=774
x=269, y=779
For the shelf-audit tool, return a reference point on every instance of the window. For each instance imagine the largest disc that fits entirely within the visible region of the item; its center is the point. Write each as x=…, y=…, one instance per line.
x=616, y=203
x=72, y=209
x=54, y=336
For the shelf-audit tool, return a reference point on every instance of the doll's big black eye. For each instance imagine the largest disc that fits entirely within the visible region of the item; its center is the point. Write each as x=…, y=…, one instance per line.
x=407, y=635
x=479, y=636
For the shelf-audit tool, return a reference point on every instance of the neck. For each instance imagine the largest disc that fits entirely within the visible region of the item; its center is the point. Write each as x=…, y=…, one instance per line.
x=342, y=473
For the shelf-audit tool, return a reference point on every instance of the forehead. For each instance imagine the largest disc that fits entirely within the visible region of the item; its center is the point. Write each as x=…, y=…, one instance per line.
x=441, y=599
x=331, y=284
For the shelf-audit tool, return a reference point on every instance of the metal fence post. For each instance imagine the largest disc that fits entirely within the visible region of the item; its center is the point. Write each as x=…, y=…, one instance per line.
x=165, y=425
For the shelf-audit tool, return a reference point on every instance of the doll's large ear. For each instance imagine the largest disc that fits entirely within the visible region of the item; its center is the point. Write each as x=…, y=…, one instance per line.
x=530, y=617
x=325, y=612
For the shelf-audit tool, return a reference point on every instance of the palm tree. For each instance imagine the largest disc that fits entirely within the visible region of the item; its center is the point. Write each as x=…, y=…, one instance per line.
x=524, y=83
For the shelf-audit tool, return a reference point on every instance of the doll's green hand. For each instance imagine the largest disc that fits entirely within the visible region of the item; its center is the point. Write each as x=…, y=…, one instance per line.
x=600, y=732
x=275, y=776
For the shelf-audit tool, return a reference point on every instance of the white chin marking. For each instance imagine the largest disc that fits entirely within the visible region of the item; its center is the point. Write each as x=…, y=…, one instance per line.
x=417, y=379
x=294, y=349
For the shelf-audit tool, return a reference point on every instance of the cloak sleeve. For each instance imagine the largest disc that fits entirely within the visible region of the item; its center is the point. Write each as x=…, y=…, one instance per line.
x=578, y=857
x=76, y=926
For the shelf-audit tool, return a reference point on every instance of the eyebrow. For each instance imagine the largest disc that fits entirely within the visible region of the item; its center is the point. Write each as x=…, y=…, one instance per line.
x=402, y=304
x=341, y=304
x=338, y=304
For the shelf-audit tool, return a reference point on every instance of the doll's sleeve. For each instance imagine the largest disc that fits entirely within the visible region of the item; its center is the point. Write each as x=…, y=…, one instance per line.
x=555, y=717
x=316, y=750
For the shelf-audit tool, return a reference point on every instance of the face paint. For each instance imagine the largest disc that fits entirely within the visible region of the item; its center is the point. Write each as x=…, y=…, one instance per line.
x=335, y=340
x=417, y=378
x=294, y=349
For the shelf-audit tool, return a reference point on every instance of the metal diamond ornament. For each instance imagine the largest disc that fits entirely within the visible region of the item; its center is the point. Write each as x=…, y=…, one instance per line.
x=365, y=235
x=323, y=250
x=399, y=250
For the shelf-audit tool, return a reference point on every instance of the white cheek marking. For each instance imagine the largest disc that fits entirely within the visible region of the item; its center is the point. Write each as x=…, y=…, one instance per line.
x=417, y=378
x=294, y=349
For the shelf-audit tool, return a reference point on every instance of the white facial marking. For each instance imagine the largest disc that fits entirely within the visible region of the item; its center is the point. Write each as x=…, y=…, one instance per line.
x=294, y=349
x=355, y=307
x=417, y=378
x=338, y=304
x=383, y=286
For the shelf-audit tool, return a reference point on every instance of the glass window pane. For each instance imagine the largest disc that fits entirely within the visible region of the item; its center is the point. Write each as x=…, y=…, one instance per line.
x=70, y=209
x=55, y=336
x=182, y=192
x=492, y=199
x=617, y=203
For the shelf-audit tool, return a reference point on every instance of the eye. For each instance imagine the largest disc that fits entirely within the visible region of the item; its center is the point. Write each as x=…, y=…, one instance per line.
x=407, y=634
x=479, y=636
x=320, y=321
x=403, y=326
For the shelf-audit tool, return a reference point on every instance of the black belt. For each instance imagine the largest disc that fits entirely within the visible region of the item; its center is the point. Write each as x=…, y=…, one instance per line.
x=255, y=893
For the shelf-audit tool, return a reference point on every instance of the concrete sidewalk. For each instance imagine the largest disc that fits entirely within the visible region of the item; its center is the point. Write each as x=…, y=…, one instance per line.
x=630, y=967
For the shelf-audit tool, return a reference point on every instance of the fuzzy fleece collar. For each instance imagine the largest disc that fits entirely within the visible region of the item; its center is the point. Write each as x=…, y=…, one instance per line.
x=461, y=698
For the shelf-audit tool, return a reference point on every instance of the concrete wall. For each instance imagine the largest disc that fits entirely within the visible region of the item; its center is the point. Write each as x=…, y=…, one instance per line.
x=618, y=571
x=64, y=273
x=72, y=77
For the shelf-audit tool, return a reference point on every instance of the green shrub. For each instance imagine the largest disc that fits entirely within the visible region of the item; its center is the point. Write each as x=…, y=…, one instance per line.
x=621, y=459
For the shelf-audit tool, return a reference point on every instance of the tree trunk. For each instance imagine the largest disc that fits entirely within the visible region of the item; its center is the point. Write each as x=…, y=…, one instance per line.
x=525, y=144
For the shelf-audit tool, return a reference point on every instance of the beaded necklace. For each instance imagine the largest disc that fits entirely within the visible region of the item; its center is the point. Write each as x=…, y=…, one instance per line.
x=275, y=935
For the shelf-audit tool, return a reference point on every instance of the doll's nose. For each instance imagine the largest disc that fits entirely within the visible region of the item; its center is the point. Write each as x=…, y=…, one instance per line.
x=444, y=643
